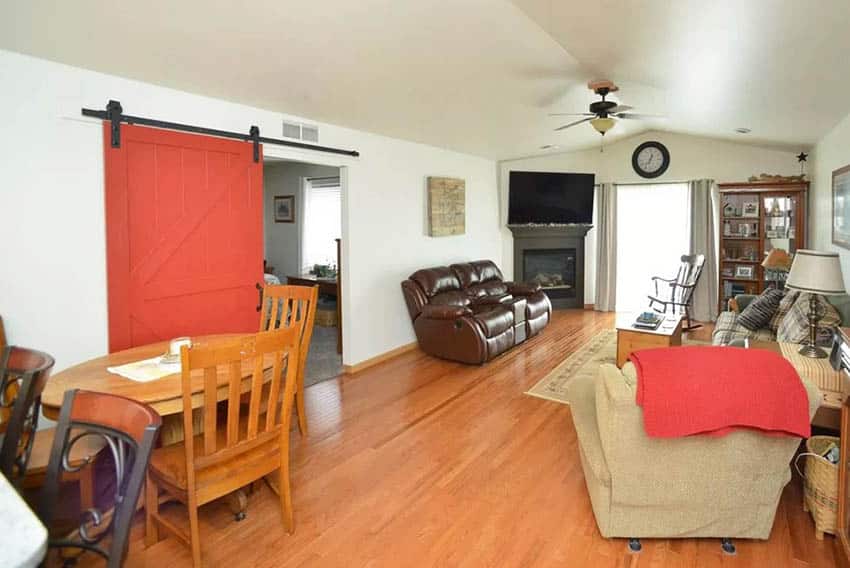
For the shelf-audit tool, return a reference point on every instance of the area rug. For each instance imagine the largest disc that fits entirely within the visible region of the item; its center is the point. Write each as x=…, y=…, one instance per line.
x=602, y=348
x=323, y=362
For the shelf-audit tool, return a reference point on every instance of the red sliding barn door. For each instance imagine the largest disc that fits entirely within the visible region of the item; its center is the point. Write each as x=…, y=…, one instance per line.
x=184, y=235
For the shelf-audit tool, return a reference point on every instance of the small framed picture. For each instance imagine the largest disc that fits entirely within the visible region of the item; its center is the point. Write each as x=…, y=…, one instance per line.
x=744, y=229
x=751, y=209
x=772, y=234
x=745, y=271
x=284, y=209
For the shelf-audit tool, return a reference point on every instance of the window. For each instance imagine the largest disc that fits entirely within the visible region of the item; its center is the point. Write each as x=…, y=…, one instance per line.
x=322, y=222
x=652, y=234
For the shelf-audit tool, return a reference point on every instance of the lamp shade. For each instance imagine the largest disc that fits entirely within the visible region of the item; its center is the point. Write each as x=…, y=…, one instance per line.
x=602, y=125
x=816, y=272
x=777, y=259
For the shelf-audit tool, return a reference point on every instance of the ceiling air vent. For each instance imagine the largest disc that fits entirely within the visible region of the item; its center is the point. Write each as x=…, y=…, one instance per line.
x=298, y=131
x=309, y=133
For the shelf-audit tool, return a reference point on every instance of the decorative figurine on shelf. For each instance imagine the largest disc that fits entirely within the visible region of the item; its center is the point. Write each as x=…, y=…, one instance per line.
x=729, y=209
x=727, y=229
x=776, y=178
x=775, y=211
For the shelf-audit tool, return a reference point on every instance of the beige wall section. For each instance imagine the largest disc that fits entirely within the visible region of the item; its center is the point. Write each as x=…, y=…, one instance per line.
x=830, y=153
x=282, y=240
x=691, y=157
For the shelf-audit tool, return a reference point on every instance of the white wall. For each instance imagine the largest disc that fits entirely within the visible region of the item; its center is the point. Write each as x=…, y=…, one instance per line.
x=831, y=153
x=283, y=240
x=691, y=157
x=53, y=277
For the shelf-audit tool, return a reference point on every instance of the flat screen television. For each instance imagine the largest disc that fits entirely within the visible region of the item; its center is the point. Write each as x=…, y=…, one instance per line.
x=550, y=198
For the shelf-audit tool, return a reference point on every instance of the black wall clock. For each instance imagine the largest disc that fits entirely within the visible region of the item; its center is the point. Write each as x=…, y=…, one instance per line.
x=651, y=159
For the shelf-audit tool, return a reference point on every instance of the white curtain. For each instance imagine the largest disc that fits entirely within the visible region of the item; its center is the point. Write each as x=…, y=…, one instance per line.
x=653, y=234
x=704, y=205
x=322, y=222
x=606, y=247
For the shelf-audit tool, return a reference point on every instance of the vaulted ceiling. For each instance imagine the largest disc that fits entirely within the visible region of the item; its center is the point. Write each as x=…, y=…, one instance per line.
x=477, y=76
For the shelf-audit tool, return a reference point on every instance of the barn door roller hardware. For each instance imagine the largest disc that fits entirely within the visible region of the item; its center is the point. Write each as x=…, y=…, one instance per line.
x=114, y=113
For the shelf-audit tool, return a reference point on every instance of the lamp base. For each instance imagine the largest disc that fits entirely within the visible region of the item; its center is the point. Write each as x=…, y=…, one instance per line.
x=812, y=351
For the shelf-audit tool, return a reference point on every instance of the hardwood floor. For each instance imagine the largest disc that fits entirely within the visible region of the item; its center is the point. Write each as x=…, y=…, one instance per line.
x=422, y=462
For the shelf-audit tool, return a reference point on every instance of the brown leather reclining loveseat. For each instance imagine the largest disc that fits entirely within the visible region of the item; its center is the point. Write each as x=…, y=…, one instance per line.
x=466, y=313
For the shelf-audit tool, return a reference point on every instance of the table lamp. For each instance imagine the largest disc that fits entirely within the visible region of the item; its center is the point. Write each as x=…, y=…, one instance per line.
x=776, y=266
x=815, y=272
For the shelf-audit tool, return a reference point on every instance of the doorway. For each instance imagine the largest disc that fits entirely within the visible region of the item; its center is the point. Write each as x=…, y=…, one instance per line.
x=302, y=227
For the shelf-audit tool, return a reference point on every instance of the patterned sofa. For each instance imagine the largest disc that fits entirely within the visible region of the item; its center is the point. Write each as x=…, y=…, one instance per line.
x=727, y=329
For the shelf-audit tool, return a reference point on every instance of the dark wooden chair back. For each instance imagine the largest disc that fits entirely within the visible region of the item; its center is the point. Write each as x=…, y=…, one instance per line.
x=130, y=430
x=268, y=411
x=23, y=374
x=293, y=306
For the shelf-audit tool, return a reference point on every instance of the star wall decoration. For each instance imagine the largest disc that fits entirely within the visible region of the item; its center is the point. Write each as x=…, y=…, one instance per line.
x=802, y=156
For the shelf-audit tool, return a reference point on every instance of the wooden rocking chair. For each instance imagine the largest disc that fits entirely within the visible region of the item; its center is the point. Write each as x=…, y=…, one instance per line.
x=677, y=293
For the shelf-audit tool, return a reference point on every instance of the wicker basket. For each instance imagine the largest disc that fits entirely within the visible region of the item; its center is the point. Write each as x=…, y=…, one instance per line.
x=326, y=317
x=820, y=484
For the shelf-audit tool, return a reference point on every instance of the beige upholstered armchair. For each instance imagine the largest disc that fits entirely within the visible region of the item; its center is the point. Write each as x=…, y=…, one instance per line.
x=699, y=486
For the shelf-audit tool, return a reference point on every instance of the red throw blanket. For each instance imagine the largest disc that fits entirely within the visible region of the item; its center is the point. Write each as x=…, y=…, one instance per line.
x=713, y=390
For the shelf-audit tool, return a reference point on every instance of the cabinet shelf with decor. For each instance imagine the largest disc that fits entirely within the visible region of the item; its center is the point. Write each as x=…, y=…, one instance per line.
x=756, y=218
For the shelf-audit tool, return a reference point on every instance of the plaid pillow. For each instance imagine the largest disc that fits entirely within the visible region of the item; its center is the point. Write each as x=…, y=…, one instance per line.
x=795, y=325
x=784, y=307
x=758, y=313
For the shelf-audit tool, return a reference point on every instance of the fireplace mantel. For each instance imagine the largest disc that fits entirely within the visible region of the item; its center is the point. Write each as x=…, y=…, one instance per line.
x=550, y=230
x=555, y=238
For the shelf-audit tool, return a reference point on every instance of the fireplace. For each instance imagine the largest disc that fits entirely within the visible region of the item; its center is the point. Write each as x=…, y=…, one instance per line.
x=553, y=269
x=552, y=256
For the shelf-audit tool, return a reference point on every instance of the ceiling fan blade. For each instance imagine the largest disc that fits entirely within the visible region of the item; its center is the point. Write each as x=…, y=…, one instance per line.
x=571, y=114
x=635, y=116
x=620, y=108
x=574, y=123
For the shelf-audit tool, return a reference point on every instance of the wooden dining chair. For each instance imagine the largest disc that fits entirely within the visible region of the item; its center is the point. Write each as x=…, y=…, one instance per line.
x=292, y=306
x=243, y=445
x=130, y=429
x=23, y=374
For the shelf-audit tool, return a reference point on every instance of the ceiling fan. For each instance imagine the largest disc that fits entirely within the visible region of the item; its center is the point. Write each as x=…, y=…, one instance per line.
x=602, y=113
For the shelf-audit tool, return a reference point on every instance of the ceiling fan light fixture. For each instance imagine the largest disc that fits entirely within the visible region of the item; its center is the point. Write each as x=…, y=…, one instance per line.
x=603, y=125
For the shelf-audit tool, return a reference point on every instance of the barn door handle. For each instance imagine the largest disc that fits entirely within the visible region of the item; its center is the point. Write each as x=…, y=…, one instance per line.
x=259, y=296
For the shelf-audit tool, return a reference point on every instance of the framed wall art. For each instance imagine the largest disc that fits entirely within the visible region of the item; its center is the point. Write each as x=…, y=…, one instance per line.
x=446, y=206
x=284, y=208
x=841, y=207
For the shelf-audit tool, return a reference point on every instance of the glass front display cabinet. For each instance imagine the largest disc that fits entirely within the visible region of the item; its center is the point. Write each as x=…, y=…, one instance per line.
x=762, y=225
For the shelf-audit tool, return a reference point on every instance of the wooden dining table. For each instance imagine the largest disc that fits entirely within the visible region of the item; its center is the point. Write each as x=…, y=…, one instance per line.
x=165, y=395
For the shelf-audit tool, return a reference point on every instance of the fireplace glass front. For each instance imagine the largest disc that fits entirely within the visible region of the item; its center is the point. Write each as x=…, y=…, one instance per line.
x=553, y=269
